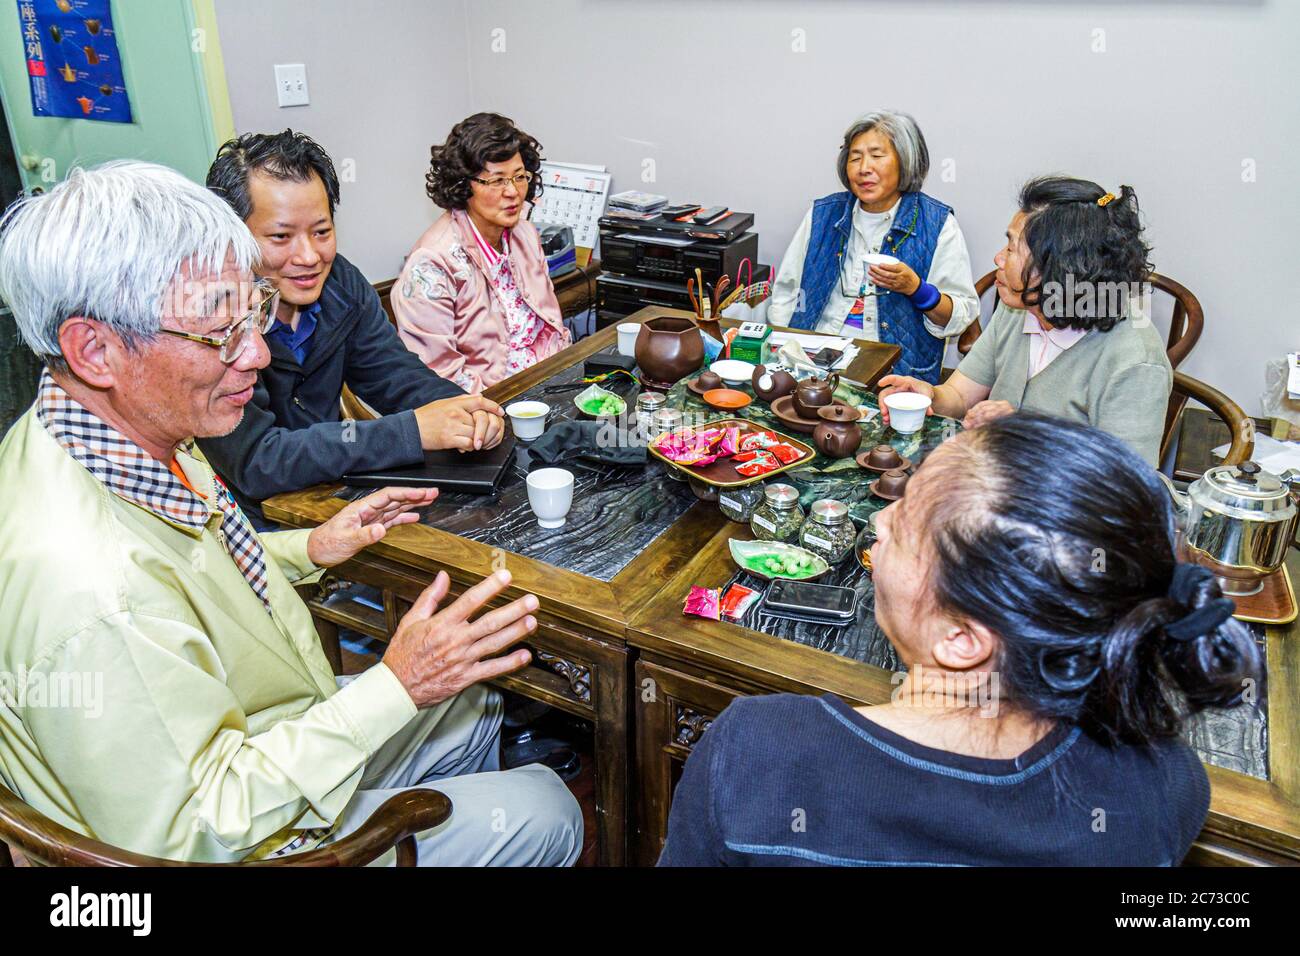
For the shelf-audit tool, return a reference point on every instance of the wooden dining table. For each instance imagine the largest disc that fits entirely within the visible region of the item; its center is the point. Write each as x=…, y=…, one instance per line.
x=614, y=648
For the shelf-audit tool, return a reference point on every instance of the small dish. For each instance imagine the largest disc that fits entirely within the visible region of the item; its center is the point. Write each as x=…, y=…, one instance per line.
x=726, y=399
x=877, y=459
x=598, y=403
x=745, y=552
x=733, y=371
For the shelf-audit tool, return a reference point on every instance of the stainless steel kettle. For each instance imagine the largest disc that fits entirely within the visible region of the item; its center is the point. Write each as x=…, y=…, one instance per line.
x=1239, y=521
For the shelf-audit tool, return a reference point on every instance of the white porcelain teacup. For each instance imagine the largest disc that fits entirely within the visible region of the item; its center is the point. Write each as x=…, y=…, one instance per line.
x=528, y=419
x=550, y=495
x=906, y=411
x=627, y=333
x=879, y=259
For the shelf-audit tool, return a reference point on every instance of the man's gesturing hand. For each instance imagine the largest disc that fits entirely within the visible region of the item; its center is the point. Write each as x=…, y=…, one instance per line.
x=364, y=522
x=436, y=653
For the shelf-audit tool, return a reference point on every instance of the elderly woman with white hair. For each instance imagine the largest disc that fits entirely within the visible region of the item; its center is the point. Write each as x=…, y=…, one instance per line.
x=219, y=732
x=881, y=260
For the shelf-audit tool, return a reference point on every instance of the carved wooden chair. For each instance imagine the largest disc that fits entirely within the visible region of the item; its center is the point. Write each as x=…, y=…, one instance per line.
x=1240, y=426
x=1185, y=324
x=394, y=824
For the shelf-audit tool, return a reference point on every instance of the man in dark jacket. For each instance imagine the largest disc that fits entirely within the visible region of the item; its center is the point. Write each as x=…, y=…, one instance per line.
x=330, y=331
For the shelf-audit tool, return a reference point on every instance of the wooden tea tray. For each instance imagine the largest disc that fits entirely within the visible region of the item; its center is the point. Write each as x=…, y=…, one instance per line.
x=1274, y=605
x=722, y=473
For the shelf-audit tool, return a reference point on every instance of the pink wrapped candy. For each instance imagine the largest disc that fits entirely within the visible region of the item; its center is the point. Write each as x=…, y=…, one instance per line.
x=702, y=602
x=703, y=446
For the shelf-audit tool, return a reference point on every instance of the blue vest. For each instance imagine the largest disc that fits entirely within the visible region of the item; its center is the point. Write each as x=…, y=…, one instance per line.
x=912, y=238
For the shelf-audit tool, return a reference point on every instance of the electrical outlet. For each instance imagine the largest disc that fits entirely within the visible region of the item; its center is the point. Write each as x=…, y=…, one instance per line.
x=291, y=84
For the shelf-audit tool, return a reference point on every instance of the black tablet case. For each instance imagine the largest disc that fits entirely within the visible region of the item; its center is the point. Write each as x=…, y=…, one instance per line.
x=476, y=472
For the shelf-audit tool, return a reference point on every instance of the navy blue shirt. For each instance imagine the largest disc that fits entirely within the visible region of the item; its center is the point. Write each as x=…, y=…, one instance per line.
x=298, y=340
x=787, y=780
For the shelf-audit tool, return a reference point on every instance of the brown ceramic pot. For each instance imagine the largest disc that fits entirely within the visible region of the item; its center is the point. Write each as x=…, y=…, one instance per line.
x=837, y=435
x=708, y=381
x=780, y=383
x=667, y=349
x=813, y=393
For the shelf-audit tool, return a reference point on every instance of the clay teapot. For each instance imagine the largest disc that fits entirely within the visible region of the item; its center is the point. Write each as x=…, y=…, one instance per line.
x=813, y=393
x=837, y=435
x=769, y=386
x=667, y=349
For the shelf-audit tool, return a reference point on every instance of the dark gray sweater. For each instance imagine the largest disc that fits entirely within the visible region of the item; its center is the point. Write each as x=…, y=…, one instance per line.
x=787, y=780
x=292, y=435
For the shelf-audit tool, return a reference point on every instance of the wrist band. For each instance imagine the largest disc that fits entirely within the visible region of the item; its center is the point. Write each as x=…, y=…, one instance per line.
x=926, y=297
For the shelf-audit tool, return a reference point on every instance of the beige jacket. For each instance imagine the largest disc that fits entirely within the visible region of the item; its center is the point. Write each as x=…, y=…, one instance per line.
x=146, y=697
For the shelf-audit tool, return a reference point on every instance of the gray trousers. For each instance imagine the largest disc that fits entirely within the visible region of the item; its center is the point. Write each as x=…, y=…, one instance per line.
x=520, y=817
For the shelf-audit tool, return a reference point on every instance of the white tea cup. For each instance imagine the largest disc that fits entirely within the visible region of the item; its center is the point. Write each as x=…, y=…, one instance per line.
x=906, y=411
x=627, y=333
x=550, y=495
x=528, y=419
x=879, y=259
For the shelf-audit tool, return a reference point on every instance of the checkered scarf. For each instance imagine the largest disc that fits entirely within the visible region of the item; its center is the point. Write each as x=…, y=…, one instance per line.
x=126, y=470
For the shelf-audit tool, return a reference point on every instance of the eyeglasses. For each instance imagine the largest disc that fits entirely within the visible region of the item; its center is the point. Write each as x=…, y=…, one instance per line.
x=232, y=342
x=499, y=184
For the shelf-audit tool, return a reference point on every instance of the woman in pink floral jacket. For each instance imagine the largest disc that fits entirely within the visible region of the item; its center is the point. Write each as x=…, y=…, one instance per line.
x=474, y=300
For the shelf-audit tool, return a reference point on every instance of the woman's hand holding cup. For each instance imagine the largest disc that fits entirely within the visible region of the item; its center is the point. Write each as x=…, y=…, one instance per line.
x=902, y=383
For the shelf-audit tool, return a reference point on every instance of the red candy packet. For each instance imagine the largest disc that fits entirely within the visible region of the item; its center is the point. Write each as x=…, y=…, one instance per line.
x=786, y=453
x=763, y=439
x=737, y=601
x=757, y=463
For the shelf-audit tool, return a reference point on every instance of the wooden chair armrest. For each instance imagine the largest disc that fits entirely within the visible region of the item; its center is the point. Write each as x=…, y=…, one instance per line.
x=1238, y=422
x=395, y=823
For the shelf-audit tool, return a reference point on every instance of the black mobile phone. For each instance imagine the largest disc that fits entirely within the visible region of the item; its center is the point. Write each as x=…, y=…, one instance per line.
x=679, y=210
x=827, y=358
x=816, y=600
x=711, y=215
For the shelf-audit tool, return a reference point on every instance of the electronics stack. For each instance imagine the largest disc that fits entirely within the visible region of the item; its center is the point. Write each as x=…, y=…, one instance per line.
x=649, y=249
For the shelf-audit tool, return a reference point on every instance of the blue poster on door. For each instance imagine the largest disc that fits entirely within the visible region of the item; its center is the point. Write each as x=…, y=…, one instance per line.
x=72, y=60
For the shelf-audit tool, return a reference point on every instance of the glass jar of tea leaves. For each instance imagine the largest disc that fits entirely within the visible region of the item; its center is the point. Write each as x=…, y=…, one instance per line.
x=739, y=504
x=828, y=532
x=779, y=517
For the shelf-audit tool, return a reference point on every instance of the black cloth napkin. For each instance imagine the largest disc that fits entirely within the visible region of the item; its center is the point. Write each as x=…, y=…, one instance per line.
x=570, y=440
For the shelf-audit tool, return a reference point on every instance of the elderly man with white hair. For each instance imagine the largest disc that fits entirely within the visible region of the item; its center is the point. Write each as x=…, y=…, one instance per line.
x=881, y=260
x=217, y=730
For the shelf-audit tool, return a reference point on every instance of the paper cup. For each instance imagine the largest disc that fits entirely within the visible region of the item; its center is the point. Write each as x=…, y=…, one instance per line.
x=906, y=411
x=627, y=333
x=550, y=495
x=528, y=419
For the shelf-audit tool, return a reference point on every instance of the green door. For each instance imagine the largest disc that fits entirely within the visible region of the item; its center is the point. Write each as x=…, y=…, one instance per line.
x=171, y=61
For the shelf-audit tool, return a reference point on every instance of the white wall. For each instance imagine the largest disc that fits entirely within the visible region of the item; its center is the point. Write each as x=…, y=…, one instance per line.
x=387, y=80
x=716, y=95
